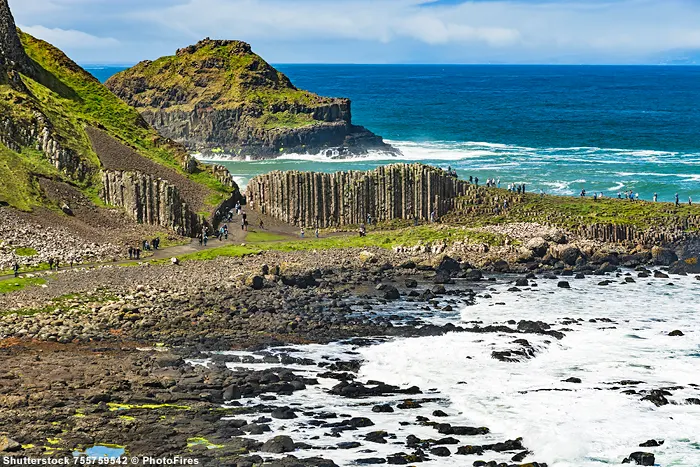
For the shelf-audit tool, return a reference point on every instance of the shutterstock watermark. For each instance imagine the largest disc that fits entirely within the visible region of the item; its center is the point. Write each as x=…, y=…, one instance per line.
x=88, y=460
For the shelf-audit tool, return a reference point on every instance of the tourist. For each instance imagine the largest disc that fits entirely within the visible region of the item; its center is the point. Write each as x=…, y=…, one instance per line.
x=200, y=237
x=636, y=196
x=221, y=234
x=690, y=201
x=205, y=239
x=677, y=202
x=316, y=232
x=656, y=196
x=476, y=181
x=226, y=231
x=595, y=196
x=523, y=188
x=505, y=204
x=50, y=261
x=262, y=225
x=302, y=232
x=369, y=219
x=131, y=253
x=363, y=232
x=55, y=264
x=138, y=253
x=583, y=193
x=432, y=216
x=15, y=268
x=471, y=179
x=498, y=183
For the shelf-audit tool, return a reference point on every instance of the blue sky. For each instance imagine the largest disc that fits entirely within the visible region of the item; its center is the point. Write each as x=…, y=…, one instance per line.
x=375, y=31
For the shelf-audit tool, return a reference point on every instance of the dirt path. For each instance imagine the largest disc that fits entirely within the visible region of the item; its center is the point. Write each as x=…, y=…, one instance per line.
x=236, y=237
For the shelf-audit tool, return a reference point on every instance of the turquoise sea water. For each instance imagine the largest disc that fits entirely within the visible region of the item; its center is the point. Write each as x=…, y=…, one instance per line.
x=556, y=128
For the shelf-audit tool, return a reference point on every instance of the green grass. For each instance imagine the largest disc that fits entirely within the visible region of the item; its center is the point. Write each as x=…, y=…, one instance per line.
x=381, y=239
x=573, y=212
x=258, y=236
x=71, y=99
x=26, y=251
x=15, y=284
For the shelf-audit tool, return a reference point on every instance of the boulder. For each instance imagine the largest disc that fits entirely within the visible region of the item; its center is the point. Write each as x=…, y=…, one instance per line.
x=411, y=283
x=676, y=333
x=255, y=282
x=538, y=246
x=663, y=256
x=278, y=445
x=569, y=255
x=9, y=445
x=563, y=285
x=391, y=293
x=686, y=266
x=448, y=265
x=640, y=458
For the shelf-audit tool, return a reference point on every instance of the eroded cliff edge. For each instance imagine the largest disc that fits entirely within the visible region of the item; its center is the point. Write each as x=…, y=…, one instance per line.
x=58, y=123
x=219, y=97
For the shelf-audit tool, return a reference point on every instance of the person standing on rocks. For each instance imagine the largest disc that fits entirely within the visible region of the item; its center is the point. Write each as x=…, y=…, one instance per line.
x=677, y=202
x=656, y=197
x=131, y=253
x=476, y=181
x=15, y=269
x=690, y=201
x=50, y=261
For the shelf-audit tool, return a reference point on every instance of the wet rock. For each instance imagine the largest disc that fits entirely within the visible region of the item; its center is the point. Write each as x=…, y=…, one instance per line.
x=469, y=450
x=255, y=282
x=349, y=445
x=278, y=445
x=391, y=293
x=370, y=461
x=439, y=413
x=660, y=275
x=573, y=380
x=676, y=333
x=569, y=255
x=376, y=437
x=448, y=265
x=640, y=458
x=687, y=266
x=440, y=451
x=563, y=285
x=384, y=408
x=411, y=283
x=538, y=246
x=652, y=443
x=656, y=397
x=663, y=256
x=283, y=413
x=522, y=282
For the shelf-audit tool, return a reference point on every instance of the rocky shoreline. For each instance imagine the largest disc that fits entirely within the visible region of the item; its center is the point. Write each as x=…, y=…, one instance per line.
x=108, y=362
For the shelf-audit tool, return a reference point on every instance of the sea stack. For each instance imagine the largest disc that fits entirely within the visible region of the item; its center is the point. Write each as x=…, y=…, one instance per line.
x=219, y=97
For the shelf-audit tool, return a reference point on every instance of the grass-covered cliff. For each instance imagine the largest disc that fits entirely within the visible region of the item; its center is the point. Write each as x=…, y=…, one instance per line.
x=51, y=110
x=220, y=96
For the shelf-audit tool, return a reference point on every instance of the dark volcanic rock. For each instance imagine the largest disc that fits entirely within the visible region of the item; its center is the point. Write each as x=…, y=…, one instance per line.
x=278, y=445
x=640, y=458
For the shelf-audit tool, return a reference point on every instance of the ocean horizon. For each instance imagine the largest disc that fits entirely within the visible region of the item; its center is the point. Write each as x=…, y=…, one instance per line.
x=557, y=128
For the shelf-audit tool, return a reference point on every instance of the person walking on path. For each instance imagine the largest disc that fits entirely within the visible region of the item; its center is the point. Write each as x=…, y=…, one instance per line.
x=131, y=253
x=138, y=253
x=15, y=269
x=316, y=232
x=302, y=232
x=205, y=239
x=261, y=225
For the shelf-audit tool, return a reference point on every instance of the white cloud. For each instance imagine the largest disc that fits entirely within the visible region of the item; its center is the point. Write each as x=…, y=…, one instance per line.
x=70, y=38
x=591, y=31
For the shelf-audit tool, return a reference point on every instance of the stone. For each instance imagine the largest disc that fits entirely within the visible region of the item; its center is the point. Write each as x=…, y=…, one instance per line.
x=640, y=458
x=663, y=256
x=391, y=293
x=411, y=283
x=9, y=445
x=676, y=333
x=255, y=282
x=278, y=445
x=538, y=246
x=569, y=255
x=440, y=451
x=563, y=285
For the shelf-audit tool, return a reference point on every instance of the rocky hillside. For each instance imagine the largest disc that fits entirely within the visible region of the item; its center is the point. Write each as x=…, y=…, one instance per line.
x=218, y=96
x=58, y=123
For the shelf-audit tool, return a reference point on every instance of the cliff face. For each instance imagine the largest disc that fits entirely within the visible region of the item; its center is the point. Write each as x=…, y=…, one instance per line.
x=58, y=122
x=389, y=192
x=220, y=96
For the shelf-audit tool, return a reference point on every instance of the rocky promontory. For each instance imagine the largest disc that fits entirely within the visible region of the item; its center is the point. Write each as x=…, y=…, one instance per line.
x=219, y=97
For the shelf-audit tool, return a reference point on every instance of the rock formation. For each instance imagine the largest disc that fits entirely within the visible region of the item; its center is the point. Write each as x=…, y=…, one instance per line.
x=397, y=191
x=219, y=96
x=58, y=122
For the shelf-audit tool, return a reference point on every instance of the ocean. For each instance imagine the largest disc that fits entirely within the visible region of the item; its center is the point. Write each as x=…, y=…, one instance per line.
x=618, y=351
x=559, y=129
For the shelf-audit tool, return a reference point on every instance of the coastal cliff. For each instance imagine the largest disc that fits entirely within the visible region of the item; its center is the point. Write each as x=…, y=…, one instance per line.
x=219, y=97
x=59, y=123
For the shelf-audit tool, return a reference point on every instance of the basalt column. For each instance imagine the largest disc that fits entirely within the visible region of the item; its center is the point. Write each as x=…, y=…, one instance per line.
x=398, y=191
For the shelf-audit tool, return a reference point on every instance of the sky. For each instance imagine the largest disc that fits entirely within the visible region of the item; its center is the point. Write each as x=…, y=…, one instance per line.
x=375, y=31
